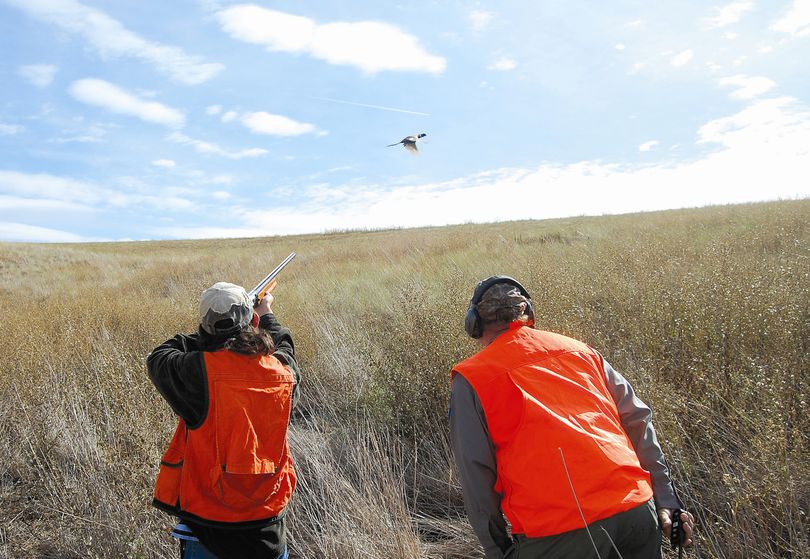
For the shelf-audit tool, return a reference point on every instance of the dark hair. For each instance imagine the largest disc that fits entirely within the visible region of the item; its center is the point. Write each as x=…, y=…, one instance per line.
x=250, y=342
x=244, y=342
x=507, y=315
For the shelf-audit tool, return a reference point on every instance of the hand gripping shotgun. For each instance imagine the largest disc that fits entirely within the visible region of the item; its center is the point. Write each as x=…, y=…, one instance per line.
x=268, y=284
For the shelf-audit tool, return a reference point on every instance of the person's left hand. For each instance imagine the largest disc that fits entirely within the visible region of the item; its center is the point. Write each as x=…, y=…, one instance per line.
x=665, y=516
x=263, y=307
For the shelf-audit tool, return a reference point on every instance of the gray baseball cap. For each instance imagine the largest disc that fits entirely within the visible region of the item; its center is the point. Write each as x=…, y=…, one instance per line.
x=225, y=308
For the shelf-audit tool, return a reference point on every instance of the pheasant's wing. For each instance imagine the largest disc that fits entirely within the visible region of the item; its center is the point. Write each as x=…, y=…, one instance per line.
x=411, y=146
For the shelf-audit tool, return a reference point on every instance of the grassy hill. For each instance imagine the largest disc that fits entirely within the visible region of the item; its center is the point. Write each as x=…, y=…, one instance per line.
x=706, y=311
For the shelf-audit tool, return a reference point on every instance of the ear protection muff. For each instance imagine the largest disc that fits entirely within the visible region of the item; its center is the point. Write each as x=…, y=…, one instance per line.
x=472, y=320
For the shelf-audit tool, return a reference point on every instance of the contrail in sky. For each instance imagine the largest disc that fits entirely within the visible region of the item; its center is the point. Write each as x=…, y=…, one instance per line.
x=392, y=109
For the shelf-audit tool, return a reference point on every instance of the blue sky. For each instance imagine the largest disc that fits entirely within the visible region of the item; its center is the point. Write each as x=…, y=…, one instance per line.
x=192, y=119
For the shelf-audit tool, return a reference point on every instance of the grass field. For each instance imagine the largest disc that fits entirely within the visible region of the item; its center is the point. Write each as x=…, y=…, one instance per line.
x=706, y=311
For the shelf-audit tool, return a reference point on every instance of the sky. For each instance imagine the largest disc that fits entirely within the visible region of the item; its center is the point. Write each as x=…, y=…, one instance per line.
x=136, y=119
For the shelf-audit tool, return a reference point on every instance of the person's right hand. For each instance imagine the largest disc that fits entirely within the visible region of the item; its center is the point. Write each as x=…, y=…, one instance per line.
x=263, y=307
x=665, y=516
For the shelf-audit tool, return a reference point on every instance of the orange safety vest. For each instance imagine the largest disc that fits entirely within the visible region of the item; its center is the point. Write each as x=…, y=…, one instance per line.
x=235, y=468
x=543, y=393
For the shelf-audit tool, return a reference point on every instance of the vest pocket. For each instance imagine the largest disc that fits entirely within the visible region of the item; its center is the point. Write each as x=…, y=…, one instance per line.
x=251, y=440
x=167, y=488
x=244, y=490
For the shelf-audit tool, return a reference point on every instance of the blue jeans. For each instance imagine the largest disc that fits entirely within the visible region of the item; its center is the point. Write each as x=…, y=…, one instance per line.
x=195, y=550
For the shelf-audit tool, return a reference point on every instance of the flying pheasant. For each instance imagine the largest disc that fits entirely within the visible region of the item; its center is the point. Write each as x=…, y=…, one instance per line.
x=409, y=142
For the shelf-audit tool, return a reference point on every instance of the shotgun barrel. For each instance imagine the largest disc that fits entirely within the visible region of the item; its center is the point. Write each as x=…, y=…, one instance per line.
x=267, y=284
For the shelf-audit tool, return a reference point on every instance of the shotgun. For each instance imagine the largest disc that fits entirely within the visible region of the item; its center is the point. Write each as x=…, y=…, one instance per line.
x=268, y=284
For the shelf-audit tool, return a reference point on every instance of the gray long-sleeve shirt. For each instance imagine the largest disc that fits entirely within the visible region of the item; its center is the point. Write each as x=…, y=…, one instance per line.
x=475, y=456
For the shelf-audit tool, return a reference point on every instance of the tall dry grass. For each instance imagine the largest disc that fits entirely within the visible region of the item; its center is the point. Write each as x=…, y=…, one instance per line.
x=706, y=311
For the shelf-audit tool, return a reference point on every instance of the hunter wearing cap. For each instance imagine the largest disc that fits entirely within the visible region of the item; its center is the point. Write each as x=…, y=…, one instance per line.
x=228, y=474
x=546, y=433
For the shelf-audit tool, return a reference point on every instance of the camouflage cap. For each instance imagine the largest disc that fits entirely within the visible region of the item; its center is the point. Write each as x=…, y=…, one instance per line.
x=499, y=296
x=225, y=308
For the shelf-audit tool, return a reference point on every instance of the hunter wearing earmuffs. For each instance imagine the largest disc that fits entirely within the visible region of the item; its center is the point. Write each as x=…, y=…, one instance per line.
x=547, y=434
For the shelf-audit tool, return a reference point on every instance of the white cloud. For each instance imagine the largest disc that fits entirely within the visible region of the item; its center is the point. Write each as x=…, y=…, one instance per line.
x=713, y=66
x=747, y=87
x=194, y=232
x=762, y=153
x=21, y=232
x=728, y=14
x=111, y=97
x=209, y=148
x=79, y=139
x=40, y=75
x=619, y=46
x=10, y=129
x=197, y=177
x=634, y=23
x=49, y=187
x=212, y=110
x=221, y=179
x=45, y=189
x=110, y=39
x=777, y=124
x=682, y=58
x=636, y=68
x=648, y=146
x=503, y=64
x=165, y=163
x=229, y=116
x=796, y=21
x=33, y=206
x=371, y=46
x=276, y=125
x=80, y=134
x=480, y=19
